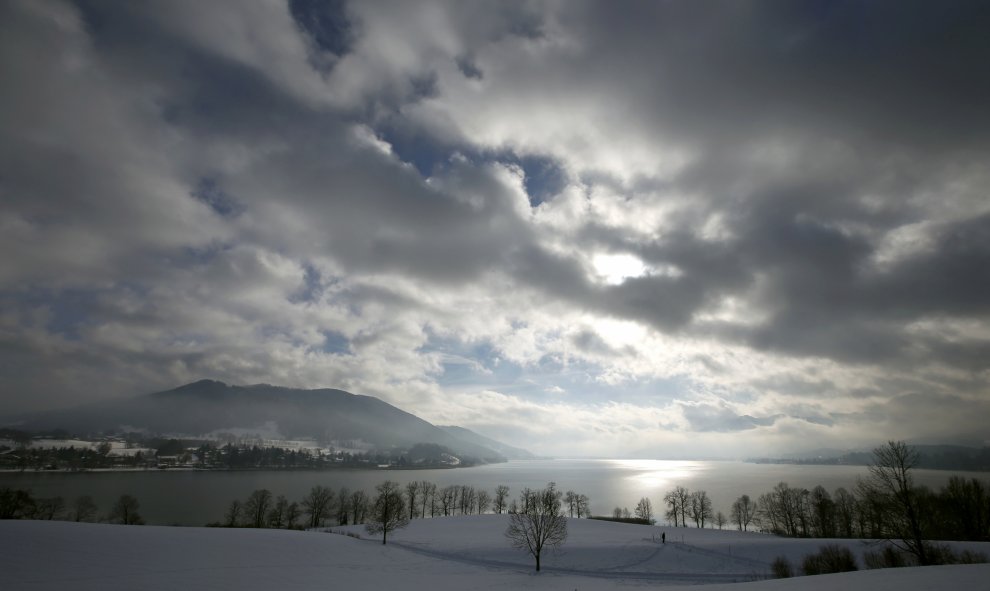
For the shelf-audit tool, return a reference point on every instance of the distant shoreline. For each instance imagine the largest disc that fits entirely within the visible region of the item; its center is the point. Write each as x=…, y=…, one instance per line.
x=841, y=462
x=263, y=469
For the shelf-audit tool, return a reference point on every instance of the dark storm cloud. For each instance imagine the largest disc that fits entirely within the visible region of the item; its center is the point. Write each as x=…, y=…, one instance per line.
x=906, y=73
x=826, y=300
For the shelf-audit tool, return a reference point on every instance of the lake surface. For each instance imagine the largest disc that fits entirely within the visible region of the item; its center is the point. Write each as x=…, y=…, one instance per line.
x=199, y=497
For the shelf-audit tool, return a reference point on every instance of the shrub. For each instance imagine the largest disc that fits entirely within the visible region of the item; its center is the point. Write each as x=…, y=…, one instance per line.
x=943, y=554
x=781, y=568
x=971, y=557
x=889, y=557
x=830, y=559
x=635, y=520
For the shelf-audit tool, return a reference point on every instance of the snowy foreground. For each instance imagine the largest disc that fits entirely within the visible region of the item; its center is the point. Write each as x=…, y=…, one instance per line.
x=433, y=554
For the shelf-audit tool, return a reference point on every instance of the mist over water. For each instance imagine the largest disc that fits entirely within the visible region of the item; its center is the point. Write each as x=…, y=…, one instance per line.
x=199, y=497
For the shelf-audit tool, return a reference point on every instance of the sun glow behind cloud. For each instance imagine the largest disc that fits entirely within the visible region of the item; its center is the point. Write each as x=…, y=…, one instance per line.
x=616, y=268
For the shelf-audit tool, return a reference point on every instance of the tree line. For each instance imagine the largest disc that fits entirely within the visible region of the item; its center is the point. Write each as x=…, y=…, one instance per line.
x=21, y=504
x=324, y=505
x=207, y=456
x=886, y=505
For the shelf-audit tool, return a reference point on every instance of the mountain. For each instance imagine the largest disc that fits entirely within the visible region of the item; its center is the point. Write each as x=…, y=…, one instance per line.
x=512, y=453
x=208, y=406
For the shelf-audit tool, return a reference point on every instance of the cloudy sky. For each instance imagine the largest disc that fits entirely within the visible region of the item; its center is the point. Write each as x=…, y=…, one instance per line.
x=640, y=228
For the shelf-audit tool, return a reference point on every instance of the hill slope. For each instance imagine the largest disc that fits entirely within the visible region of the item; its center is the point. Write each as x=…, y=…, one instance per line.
x=208, y=406
x=431, y=555
x=510, y=452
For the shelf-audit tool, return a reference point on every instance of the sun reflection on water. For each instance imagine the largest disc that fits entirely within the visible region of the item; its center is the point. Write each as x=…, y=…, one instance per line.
x=654, y=474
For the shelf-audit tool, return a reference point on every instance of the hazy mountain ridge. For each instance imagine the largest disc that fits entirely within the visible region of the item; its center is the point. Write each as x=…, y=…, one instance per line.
x=932, y=457
x=510, y=452
x=209, y=406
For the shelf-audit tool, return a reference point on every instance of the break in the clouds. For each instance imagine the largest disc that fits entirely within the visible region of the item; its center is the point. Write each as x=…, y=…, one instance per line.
x=656, y=228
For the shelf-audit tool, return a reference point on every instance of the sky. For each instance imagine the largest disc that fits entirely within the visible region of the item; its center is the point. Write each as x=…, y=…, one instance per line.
x=650, y=229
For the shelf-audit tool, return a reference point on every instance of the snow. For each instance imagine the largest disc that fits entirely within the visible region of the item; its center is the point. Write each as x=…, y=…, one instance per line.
x=434, y=554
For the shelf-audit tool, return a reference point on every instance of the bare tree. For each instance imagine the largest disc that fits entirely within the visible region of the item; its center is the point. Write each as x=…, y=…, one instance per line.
x=784, y=510
x=967, y=507
x=428, y=494
x=892, y=480
x=256, y=507
x=822, y=512
x=50, y=508
x=276, y=515
x=720, y=519
x=483, y=501
x=583, y=506
x=700, y=508
x=292, y=514
x=525, y=498
x=317, y=505
x=125, y=511
x=359, y=506
x=83, y=509
x=743, y=511
x=387, y=511
x=233, y=515
x=617, y=513
x=845, y=512
x=467, y=496
x=343, y=505
x=501, y=498
x=16, y=504
x=678, y=501
x=412, y=494
x=571, y=498
x=447, y=497
x=644, y=509
x=540, y=525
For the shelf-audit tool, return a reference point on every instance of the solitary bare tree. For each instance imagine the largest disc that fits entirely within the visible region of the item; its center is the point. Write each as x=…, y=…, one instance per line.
x=540, y=524
x=388, y=510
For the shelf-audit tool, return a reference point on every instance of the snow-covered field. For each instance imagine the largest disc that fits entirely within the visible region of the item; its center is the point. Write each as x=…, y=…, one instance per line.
x=434, y=554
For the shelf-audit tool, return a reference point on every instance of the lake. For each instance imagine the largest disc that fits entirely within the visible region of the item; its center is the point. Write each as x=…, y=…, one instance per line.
x=198, y=497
